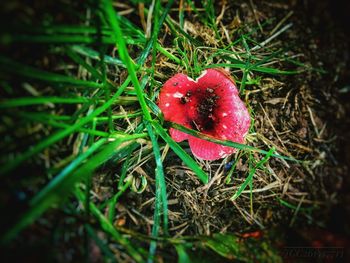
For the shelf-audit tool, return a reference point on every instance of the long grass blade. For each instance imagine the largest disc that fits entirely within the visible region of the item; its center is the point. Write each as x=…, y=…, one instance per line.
x=109, y=228
x=9, y=166
x=90, y=53
x=8, y=65
x=227, y=143
x=181, y=153
x=251, y=174
x=161, y=195
x=60, y=187
x=27, y=101
x=124, y=55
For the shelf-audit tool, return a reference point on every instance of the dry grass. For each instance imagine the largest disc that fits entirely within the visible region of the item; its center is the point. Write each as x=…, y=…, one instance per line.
x=284, y=118
x=281, y=81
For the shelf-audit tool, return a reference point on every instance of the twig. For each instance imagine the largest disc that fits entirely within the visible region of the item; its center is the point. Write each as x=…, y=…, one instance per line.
x=262, y=44
x=281, y=22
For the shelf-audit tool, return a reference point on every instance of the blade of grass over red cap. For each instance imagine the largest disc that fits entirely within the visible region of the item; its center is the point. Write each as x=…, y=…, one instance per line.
x=227, y=143
x=209, y=104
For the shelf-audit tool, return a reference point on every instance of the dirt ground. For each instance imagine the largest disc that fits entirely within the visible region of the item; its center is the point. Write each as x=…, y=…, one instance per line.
x=303, y=115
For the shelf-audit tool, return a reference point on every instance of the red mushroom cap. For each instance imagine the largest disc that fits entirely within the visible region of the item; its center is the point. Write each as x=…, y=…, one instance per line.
x=210, y=104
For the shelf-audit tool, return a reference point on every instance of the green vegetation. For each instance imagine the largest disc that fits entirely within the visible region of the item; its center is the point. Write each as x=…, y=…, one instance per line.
x=99, y=103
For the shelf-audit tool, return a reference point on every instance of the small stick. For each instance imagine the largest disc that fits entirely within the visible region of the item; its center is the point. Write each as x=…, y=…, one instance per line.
x=281, y=22
x=255, y=15
x=313, y=121
x=262, y=44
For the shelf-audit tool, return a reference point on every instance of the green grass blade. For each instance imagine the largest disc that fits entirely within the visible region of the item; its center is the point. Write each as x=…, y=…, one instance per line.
x=8, y=65
x=181, y=153
x=246, y=67
x=40, y=115
x=251, y=174
x=62, y=29
x=183, y=256
x=61, y=186
x=109, y=228
x=90, y=53
x=161, y=195
x=53, y=39
x=124, y=55
x=77, y=59
x=101, y=244
x=57, y=124
x=9, y=166
x=177, y=29
x=294, y=207
x=274, y=71
x=59, y=179
x=27, y=101
x=113, y=201
x=268, y=70
x=227, y=143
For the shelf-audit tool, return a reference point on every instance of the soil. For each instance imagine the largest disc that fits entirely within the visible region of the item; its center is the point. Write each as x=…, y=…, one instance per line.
x=304, y=115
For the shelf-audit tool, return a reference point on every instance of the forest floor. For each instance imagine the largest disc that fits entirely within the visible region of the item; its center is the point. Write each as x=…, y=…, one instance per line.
x=290, y=60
